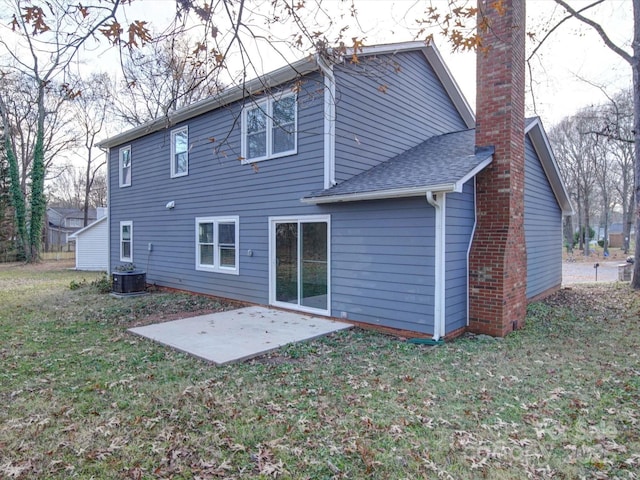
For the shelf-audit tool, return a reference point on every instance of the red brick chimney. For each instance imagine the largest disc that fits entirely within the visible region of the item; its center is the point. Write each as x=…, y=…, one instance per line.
x=498, y=258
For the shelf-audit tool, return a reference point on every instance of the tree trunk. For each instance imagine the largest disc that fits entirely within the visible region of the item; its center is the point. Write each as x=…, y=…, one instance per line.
x=38, y=203
x=568, y=233
x=17, y=200
x=605, y=245
x=635, y=66
x=580, y=222
x=587, y=229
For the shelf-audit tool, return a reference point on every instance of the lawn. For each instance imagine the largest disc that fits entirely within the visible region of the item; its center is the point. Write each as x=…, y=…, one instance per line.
x=81, y=398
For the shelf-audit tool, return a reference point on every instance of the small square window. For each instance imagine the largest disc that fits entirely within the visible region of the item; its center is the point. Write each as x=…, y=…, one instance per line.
x=217, y=244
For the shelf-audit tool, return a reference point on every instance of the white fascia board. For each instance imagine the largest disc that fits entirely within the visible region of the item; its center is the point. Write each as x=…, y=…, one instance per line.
x=541, y=144
x=484, y=164
x=450, y=85
x=252, y=87
x=91, y=225
x=380, y=195
x=436, y=61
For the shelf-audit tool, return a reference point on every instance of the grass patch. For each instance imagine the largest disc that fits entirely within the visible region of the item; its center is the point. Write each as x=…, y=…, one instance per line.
x=82, y=398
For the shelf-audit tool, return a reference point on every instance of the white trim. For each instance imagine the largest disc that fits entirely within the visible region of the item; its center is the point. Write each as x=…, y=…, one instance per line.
x=120, y=176
x=91, y=225
x=543, y=149
x=173, y=135
x=460, y=183
x=266, y=105
x=329, y=123
x=299, y=219
x=286, y=74
x=217, y=267
x=450, y=85
x=381, y=194
x=473, y=234
x=107, y=154
x=252, y=87
x=128, y=223
x=438, y=202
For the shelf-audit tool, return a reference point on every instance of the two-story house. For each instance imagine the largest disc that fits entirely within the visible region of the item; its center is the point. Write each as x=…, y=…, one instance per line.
x=346, y=190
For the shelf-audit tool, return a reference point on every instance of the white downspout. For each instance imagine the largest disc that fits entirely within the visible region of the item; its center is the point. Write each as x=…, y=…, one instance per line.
x=329, y=122
x=438, y=202
x=473, y=233
x=107, y=152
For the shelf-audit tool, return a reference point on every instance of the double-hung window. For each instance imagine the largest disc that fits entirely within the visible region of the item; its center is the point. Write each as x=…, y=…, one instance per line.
x=179, y=152
x=269, y=129
x=217, y=244
x=125, y=166
x=126, y=241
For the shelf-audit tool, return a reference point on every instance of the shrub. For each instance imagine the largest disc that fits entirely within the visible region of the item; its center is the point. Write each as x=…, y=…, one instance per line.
x=102, y=284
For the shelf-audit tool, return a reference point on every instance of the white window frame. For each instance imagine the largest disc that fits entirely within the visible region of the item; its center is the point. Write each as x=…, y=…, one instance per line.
x=216, y=267
x=129, y=259
x=299, y=219
x=123, y=183
x=174, y=166
x=266, y=106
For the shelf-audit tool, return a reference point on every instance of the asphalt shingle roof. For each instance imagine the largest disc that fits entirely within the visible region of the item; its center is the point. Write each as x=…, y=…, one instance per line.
x=440, y=160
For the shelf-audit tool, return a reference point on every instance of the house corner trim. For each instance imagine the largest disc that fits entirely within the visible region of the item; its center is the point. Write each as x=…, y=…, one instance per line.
x=438, y=202
x=329, y=122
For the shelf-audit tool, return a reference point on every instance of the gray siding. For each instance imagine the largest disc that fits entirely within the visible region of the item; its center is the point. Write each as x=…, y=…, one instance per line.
x=372, y=126
x=460, y=217
x=383, y=262
x=543, y=227
x=382, y=252
x=217, y=185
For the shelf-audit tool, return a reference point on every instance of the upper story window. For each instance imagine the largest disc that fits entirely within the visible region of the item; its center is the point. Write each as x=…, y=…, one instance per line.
x=179, y=152
x=126, y=241
x=269, y=129
x=217, y=244
x=125, y=166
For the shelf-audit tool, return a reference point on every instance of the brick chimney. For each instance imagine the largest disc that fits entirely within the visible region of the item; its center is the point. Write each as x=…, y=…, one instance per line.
x=498, y=258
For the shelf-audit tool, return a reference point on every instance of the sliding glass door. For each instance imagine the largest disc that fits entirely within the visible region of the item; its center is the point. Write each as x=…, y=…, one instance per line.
x=300, y=263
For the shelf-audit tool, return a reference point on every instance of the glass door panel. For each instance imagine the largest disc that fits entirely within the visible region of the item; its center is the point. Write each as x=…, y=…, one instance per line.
x=287, y=262
x=313, y=266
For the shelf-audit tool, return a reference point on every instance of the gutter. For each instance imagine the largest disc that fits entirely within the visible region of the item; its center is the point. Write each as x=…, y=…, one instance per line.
x=380, y=194
x=329, y=121
x=438, y=202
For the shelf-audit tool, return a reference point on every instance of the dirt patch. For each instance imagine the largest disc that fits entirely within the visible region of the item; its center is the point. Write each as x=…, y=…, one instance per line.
x=43, y=266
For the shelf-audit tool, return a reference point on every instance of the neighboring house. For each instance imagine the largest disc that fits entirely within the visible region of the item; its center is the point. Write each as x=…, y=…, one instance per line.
x=346, y=190
x=61, y=223
x=92, y=246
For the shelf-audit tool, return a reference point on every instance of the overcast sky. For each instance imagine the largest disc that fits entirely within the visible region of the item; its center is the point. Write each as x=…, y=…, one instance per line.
x=574, y=52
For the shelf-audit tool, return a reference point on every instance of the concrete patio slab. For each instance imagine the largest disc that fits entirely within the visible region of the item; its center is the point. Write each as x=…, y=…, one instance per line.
x=237, y=335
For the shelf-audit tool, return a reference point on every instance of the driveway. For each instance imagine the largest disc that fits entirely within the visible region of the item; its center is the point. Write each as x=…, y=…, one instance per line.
x=584, y=272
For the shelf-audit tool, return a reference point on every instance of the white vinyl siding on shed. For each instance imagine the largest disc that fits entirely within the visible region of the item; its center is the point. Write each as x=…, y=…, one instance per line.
x=92, y=246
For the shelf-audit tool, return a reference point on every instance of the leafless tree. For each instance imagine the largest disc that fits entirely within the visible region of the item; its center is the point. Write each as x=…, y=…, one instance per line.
x=167, y=74
x=39, y=40
x=616, y=130
x=91, y=113
x=67, y=188
x=576, y=153
x=633, y=59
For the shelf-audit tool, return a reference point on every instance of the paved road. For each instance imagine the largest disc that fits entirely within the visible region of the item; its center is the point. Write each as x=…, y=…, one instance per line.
x=577, y=272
